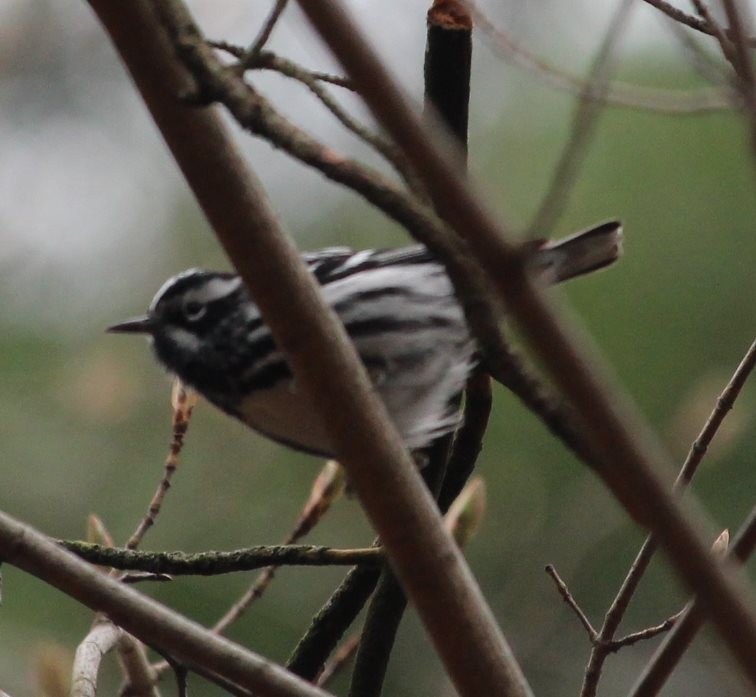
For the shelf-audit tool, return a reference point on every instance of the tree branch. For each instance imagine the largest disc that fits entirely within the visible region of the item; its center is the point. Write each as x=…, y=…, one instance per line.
x=668, y=655
x=265, y=31
x=627, y=452
x=183, y=401
x=698, y=449
x=564, y=591
x=330, y=623
x=317, y=349
x=148, y=620
x=216, y=563
x=102, y=639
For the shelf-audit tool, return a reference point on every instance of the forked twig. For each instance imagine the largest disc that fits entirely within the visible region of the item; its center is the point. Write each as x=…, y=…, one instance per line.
x=266, y=30
x=698, y=449
x=668, y=655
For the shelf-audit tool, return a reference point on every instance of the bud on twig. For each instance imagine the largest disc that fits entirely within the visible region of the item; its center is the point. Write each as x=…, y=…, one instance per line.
x=97, y=533
x=721, y=544
x=466, y=513
x=328, y=486
x=183, y=400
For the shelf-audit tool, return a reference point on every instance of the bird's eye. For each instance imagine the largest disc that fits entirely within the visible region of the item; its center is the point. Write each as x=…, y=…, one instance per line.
x=194, y=310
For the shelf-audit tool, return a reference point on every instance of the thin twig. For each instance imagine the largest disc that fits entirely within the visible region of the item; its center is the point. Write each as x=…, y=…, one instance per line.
x=698, y=449
x=668, y=655
x=328, y=486
x=647, y=633
x=613, y=645
x=141, y=678
x=592, y=97
x=102, y=638
x=214, y=563
x=716, y=30
x=270, y=60
x=339, y=659
x=382, y=145
x=266, y=60
x=266, y=30
x=564, y=591
x=183, y=401
x=742, y=62
x=702, y=61
x=701, y=25
x=723, y=406
x=618, y=94
x=678, y=15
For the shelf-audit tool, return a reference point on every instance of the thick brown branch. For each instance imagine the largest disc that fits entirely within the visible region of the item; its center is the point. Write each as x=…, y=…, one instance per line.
x=317, y=349
x=625, y=447
x=144, y=618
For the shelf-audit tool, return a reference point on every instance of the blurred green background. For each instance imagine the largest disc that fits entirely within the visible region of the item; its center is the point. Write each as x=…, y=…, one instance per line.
x=93, y=218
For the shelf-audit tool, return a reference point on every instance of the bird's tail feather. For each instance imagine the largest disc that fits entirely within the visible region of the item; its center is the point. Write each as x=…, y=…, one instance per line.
x=579, y=254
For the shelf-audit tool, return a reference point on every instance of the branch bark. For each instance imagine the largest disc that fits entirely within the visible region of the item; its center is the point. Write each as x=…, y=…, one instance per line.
x=146, y=619
x=324, y=363
x=215, y=563
x=630, y=460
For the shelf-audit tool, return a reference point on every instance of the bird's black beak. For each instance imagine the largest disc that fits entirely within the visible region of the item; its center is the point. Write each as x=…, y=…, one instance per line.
x=135, y=325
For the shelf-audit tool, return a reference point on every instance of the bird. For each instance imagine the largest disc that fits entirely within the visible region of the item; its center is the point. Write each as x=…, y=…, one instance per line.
x=398, y=307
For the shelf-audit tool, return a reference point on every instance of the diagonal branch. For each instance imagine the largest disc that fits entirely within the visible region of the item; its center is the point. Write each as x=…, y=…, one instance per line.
x=638, y=568
x=315, y=345
x=253, y=112
x=627, y=450
x=668, y=655
x=153, y=623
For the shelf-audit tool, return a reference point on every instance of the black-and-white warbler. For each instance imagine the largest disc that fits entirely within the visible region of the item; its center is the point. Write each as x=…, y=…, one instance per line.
x=398, y=307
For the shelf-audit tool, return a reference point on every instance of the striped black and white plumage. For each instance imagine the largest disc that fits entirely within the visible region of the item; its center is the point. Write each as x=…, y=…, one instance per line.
x=398, y=307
